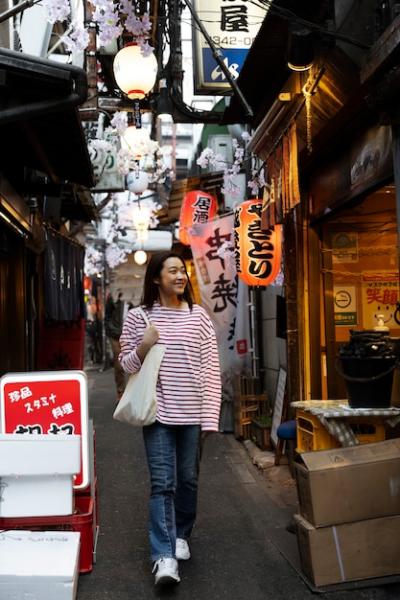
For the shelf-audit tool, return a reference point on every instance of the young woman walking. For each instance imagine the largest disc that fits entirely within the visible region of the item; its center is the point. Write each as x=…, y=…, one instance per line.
x=188, y=397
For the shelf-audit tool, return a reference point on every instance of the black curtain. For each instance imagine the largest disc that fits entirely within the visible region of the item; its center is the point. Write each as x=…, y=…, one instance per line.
x=63, y=279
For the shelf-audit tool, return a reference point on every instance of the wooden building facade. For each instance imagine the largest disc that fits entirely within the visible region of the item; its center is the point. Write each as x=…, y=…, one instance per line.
x=341, y=223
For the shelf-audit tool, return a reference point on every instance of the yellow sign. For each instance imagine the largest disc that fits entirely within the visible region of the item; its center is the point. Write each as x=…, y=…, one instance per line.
x=380, y=294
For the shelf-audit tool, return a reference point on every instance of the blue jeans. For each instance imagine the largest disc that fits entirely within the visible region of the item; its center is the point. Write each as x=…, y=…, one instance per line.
x=173, y=460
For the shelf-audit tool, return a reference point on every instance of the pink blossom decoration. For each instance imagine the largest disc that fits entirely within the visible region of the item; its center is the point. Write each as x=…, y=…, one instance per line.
x=57, y=10
x=120, y=121
x=77, y=39
x=115, y=256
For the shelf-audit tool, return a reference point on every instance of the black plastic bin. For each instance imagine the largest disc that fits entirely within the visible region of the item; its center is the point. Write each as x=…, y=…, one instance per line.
x=369, y=380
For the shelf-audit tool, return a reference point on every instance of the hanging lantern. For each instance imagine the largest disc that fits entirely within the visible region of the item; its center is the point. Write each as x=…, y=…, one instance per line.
x=134, y=73
x=197, y=207
x=257, y=251
x=137, y=182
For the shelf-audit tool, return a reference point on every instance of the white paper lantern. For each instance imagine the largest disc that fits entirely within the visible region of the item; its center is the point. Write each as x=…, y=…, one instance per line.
x=134, y=73
x=137, y=182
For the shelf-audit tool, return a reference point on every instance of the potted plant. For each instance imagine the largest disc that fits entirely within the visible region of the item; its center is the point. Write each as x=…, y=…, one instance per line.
x=260, y=431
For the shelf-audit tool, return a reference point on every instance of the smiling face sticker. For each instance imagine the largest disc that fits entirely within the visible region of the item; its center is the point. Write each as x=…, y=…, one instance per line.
x=386, y=313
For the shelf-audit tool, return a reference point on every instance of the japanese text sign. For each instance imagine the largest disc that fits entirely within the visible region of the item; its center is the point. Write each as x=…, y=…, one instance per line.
x=197, y=207
x=53, y=403
x=232, y=26
x=257, y=250
x=216, y=275
x=380, y=295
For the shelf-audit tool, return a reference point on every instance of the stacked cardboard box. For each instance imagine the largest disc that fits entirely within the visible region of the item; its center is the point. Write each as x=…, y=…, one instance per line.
x=349, y=523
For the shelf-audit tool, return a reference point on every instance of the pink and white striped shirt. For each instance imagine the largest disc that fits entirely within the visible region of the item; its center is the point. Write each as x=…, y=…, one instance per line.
x=189, y=382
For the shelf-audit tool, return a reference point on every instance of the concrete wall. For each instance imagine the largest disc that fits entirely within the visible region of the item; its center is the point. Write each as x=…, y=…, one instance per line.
x=273, y=348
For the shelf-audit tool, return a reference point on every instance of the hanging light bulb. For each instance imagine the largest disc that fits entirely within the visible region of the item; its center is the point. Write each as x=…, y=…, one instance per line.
x=134, y=73
x=140, y=257
x=141, y=221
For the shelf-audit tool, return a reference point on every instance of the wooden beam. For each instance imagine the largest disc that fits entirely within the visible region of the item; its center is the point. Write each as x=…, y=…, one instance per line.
x=382, y=50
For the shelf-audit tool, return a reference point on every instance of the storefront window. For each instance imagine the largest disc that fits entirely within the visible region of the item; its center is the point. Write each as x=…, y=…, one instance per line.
x=360, y=275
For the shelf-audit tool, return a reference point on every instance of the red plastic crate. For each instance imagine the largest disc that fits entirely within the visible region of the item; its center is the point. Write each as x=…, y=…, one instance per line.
x=81, y=520
x=87, y=491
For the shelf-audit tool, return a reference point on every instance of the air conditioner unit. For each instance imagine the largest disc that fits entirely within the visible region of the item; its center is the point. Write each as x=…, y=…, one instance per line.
x=222, y=145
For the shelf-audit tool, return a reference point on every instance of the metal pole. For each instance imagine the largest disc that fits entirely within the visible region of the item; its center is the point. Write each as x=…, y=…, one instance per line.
x=396, y=168
x=217, y=54
x=104, y=365
x=253, y=334
x=17, y=9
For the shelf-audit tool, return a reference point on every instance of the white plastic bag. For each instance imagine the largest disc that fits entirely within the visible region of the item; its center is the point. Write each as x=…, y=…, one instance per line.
x=138, y=403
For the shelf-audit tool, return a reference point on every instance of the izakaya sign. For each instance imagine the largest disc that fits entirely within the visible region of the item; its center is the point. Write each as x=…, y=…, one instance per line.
x=53, y=403
x=197, y=207
x=232, y=26
x=257, y=251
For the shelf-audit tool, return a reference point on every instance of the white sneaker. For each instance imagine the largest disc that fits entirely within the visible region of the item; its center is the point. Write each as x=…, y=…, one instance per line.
x=166, y=571
x=182, y=551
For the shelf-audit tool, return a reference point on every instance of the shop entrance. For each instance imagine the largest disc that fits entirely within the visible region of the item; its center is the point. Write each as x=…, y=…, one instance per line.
x=360, y=277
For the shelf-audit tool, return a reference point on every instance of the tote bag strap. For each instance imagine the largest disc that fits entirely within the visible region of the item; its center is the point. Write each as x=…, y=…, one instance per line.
x=145, y=317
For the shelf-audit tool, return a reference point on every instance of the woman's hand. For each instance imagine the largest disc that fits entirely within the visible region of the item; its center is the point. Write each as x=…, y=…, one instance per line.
x=151, y=336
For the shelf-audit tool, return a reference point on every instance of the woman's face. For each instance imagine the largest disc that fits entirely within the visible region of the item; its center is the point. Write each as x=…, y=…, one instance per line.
x=173, y=278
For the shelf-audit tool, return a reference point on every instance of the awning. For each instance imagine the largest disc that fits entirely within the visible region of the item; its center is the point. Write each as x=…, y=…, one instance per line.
x=40, y=126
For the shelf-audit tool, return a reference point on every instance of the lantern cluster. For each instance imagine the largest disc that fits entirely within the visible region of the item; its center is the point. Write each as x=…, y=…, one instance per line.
x=197, y=207
x=257, y=250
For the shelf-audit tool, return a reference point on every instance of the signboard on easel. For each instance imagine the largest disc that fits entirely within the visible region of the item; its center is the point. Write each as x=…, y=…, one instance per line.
x=53, y=403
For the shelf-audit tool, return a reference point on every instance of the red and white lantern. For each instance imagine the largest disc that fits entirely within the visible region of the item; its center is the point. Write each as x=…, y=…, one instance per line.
x=197, y=207
x=257, y=251
x=134, y=73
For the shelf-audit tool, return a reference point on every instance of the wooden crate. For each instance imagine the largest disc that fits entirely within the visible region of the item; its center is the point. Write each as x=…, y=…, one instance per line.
x=260, y=434
x=248, y=405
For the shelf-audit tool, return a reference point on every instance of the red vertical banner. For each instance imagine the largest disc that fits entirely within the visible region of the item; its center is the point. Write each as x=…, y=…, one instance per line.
x=53, y=403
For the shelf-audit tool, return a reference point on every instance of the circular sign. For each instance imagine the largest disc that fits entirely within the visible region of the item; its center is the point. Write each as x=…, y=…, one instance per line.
x=342, y=299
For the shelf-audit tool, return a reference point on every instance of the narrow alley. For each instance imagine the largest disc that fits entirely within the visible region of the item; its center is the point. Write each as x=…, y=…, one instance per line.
x=240, y=546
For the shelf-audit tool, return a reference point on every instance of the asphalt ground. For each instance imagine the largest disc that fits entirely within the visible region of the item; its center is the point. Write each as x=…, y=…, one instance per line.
x=240, y=546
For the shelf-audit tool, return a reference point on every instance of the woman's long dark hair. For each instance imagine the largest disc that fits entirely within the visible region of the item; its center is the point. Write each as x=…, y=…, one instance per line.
x=154, y=268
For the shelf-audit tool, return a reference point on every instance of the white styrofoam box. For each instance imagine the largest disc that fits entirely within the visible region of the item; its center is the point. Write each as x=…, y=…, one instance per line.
x=36, y=496
x=39, y=565
x=36, y=474
x=39, y=454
